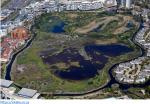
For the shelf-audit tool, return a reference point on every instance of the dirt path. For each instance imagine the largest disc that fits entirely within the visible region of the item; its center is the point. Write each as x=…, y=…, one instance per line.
x=104, y=21
x=122, y=25
x=95, y=24
x=108, y=41
x=147, y=35
x=88, y=28
x=72, y=15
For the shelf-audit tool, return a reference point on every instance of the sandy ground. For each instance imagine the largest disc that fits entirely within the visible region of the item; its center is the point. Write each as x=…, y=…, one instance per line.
x=88, y=28
x=94, y=24
x=62, y=65
x=108, y=41
x=147, y=35
x=123, y=24
x=72, y=15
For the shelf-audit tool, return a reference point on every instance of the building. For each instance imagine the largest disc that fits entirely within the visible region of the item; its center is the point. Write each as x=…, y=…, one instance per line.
x=86, y=4
x=126, y=3
x=122, y=2
x=3, y=32
x=8, y=90
x=5, y=13
x=28, y=93
x=20, y=33
x=5, y=83
x=110, y=3
x=5, y=55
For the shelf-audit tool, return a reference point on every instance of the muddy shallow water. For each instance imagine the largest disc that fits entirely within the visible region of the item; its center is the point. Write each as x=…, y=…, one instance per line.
x=87, y=68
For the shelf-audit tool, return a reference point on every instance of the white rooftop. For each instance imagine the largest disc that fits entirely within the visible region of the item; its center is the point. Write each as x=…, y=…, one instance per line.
x=27, y=92
x=5, y=83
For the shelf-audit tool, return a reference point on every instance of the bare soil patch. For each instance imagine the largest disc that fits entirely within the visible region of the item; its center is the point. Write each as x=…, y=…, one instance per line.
x=95, y=24
x=108, y=41
x=72, y=15
x=122, y=25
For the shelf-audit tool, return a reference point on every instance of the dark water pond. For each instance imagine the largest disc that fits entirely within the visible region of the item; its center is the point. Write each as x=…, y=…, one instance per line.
x=130, y=24
x=58, y=28
x=52, y=24
x=87, y=68
x=109, y=50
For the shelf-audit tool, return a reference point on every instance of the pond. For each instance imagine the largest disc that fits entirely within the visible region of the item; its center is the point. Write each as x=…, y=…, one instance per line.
x=109, y=50
x=51, y=24
x=87, y=68
x=58, y=28
x=130, y=24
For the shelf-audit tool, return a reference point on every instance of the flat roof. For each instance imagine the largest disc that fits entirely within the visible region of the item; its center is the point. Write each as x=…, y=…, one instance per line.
x=36, y=96
x=27, y=92
x=5, y=83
